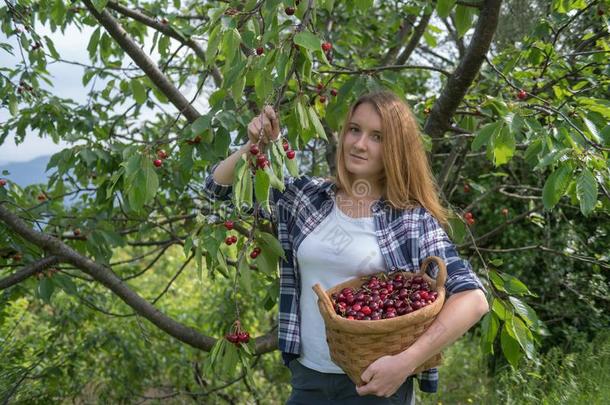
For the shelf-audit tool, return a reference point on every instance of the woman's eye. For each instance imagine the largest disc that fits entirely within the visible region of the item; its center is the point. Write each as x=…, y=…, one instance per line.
x=353, y=129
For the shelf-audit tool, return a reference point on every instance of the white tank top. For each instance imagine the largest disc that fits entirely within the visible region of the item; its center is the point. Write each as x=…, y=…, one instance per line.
x=340, y=248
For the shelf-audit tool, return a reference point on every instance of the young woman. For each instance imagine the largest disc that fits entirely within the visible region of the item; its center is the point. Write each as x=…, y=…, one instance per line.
x=380, y=213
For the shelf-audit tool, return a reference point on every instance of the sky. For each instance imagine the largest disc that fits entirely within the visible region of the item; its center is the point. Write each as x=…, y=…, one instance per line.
x=71, y=45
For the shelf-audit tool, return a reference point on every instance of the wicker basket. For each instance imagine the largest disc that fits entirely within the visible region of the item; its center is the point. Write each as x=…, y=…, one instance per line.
x=355, y=344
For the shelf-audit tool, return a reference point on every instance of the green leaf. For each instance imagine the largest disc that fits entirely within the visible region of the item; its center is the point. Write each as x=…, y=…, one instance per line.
x=443, y=7
x=555, y=186
x=268, y=241
x=513, y=285
x=274, y=180
x=267, y=261
x=496, y=280
x=510, y=346
x=303, y=117
x=457, y=229
x=242, y=184
x=139, y=91
x=463, y=19
x=65, y=283
x=99, y=4
x=151, y=181
x=526, y=312
x=503, y=146
x=93, y=42
x=262, y=185
x=586, y=191
x=363, y=5
x=213, y=41
x=263, y=85
x=500, y=309
x=592, y=129
x=313, y=118
x=523, y=336
x=245, y=275
x=489, y=329
x=230, y=45
x=308, y=40
x=484, y=134
x=13, y=105
x=202, y=127
x=45, y=289
x=291, y=164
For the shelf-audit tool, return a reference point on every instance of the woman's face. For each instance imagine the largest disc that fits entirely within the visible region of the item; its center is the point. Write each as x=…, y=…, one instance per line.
x=362, y=147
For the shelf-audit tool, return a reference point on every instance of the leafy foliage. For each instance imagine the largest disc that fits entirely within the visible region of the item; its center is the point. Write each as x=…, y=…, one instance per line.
x=525, y=151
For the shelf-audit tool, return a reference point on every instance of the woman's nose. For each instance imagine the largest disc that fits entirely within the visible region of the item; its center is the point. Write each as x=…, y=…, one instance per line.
x=362, y=142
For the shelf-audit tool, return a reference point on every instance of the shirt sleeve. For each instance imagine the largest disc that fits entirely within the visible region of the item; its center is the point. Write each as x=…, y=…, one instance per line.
x=214, y=190
x=434, y=241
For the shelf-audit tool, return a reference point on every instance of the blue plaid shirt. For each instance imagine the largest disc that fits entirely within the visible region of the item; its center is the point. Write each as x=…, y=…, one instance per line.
x=406, y=238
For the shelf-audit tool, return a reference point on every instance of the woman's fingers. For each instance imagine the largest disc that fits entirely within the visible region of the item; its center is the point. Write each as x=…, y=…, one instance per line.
x=275, y=122
x=268, y=122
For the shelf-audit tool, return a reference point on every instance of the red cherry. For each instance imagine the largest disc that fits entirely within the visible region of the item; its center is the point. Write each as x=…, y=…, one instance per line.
x=257, y=250
x=243, y=337
x=233, y=239
x=522, y=94
x=290, y=154
x=322, y=99
x=319, y=86
x=162, y=154
x=229, y=224
x=254, y=150
x=158, y=162
x=2, y=182
x=229, y=240
x=289, y=10
x=260, y=50
x=333, y=92
x=253, y=254
x=327, y=46
x=286, y=146
x=466, y=188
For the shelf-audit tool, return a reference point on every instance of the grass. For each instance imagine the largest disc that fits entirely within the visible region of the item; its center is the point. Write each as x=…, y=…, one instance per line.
x=557, y=377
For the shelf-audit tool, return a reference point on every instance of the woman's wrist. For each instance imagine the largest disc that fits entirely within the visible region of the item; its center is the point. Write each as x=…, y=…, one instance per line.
x=409, y=361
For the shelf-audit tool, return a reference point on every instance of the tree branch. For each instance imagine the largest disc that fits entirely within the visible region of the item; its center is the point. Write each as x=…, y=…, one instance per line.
x=169, y=31
x=457, y=85
x=415, y=37
x=144, y=62
x=109, y=279
x=405, y=28
x=27, y=271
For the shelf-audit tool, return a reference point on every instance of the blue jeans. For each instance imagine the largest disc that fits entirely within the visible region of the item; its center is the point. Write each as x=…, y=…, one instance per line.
x=313, y=387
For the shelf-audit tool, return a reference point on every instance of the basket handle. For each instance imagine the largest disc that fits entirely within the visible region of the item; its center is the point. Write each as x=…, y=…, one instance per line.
x=441, y=277
x=327, y=305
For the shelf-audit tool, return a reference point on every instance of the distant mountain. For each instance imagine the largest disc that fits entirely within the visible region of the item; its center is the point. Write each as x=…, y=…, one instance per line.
x=26, y=173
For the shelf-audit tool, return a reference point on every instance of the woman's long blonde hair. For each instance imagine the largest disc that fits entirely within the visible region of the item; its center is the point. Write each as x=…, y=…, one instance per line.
x=408, y=181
